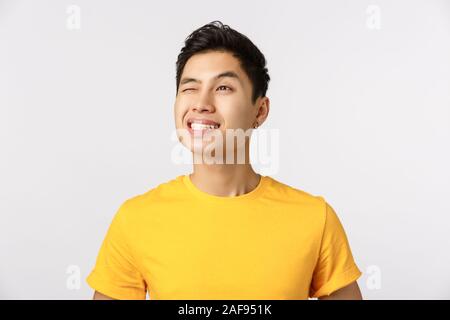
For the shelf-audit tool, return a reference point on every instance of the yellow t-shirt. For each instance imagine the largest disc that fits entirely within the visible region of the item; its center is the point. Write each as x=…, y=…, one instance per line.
x=178, y=242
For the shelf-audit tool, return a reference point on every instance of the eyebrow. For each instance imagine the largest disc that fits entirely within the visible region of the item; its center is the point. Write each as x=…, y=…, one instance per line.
x=226, y=74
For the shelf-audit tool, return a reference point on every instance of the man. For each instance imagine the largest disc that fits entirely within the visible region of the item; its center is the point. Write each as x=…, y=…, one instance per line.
x=224, y=231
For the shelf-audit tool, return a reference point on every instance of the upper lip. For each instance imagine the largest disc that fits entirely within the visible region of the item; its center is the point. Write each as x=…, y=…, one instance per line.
x=201, y=120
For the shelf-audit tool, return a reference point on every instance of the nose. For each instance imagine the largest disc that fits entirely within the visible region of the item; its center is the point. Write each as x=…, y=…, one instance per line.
x=203, y=108
x=203, y=104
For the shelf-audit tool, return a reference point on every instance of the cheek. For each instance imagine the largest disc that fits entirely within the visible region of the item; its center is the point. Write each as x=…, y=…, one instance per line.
x=236, y=116
x=179, y=112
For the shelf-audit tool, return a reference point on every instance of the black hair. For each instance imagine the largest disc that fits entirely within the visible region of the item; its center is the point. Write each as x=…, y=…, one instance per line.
x=216, y=36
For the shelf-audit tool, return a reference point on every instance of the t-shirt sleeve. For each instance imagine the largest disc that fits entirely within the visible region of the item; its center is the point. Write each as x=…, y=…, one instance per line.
x=115, y=273
x=335, y=267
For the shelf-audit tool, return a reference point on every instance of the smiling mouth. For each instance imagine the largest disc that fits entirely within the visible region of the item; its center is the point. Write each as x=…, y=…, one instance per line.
x=202, y=126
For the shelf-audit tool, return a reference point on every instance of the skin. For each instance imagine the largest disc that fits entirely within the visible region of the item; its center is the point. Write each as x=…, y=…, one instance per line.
x=350, y=292
x=101, y=296
x=226, y=100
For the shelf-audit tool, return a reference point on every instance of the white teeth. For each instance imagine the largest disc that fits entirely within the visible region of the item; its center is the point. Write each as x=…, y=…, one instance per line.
x=201, y=126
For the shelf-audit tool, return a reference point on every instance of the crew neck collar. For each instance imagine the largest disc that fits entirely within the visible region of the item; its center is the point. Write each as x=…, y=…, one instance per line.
x=256, y=192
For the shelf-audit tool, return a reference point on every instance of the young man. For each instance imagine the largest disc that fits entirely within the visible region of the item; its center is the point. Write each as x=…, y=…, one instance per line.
x=224, y=231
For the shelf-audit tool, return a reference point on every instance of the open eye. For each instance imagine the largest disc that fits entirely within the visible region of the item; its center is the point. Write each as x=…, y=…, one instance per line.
x=229, y=89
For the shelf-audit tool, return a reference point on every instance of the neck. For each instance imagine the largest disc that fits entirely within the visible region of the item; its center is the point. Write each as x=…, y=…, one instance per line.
x=225, y=180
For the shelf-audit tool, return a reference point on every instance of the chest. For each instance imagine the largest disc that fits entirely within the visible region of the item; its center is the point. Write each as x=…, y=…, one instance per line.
x=213, y=256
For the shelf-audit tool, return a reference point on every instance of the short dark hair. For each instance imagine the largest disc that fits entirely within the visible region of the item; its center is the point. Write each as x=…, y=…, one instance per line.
x=216, y=36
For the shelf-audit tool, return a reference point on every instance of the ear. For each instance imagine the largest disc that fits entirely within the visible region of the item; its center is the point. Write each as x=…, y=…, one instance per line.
x=263, y=105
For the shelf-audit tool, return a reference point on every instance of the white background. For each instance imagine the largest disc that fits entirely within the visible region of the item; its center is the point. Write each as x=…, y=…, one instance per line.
x=86, y=117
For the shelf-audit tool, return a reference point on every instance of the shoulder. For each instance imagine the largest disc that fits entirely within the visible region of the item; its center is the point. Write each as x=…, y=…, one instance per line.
x=161, y=193
x=291, y=193
x=313, y=206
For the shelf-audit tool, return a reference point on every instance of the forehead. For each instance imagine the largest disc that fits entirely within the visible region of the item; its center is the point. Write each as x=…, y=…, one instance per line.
x=205, y=66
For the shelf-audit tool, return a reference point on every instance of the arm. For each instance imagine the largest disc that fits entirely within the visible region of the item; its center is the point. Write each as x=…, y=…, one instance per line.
x=350, y=292
x=101, y=296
